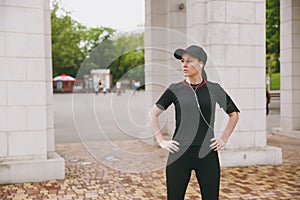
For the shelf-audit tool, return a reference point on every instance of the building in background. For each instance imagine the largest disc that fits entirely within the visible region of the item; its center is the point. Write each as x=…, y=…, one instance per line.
x=102, y=79
x=63, y=83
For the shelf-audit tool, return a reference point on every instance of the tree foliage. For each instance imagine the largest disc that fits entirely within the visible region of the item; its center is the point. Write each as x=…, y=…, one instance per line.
x=66, y=35
x=77, y=49
x=72, y=41
x=129, y=57
x=273, y=34
x=121, y=55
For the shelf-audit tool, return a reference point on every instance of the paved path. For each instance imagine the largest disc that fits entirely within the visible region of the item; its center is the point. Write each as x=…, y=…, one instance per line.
x=65, y=105
x=89, y=177
x=273, y=119
x=89, y=117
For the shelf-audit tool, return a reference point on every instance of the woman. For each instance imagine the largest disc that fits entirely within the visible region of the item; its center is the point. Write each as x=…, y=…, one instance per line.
x=194, y=146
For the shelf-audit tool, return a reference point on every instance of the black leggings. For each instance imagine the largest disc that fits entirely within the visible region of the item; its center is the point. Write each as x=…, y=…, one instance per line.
x=207, y=170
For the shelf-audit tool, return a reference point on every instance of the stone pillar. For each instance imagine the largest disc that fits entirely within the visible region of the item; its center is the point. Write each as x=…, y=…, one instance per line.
x=165, y=31
x=233, y=34
x=290, y=68
x=27, y=152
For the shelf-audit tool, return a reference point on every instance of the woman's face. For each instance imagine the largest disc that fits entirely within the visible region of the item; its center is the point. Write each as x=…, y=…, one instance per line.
x=190, y=65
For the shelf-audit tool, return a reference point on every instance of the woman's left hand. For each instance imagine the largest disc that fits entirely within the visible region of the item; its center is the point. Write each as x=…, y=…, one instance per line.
x=217, y=143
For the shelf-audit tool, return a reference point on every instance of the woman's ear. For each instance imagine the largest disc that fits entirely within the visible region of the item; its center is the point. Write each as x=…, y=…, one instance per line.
x=201, y=64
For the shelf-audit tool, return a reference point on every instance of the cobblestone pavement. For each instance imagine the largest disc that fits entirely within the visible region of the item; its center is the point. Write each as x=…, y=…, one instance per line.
x=86, y=178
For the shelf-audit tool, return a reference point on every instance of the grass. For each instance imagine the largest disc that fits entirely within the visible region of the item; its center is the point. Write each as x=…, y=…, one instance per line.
x=275, y=81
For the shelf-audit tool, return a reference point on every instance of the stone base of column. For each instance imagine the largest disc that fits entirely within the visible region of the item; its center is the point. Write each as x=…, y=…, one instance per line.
x=253, y=156
x=245, y=157
x=21, y=171
x=289, y=133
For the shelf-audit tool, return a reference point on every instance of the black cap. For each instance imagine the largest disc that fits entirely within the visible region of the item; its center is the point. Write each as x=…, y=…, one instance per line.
x=193, y=50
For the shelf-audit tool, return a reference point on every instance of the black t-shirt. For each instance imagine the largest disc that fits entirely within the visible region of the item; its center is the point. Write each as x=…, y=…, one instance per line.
x=195, y=117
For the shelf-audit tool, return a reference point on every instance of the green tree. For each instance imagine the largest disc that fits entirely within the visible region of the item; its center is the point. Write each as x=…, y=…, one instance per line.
x=66, y=35
x=121, y=54
x=129, y=57
x=93, y=37
x=273, y=35
x=76, y=49
x=71, y=41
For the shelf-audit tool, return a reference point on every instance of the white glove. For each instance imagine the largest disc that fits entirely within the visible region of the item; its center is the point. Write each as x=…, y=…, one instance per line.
x=217, y=144
x=169, y=145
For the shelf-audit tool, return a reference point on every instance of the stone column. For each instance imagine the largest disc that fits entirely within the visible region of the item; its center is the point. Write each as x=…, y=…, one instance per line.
x=290, y=68
x=233, y=33
x=165, y=31
x=27, y=152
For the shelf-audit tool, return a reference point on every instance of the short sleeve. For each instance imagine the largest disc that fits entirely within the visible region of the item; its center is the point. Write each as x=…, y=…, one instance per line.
x=165, y=100
x=230, y=105
x=225, y=101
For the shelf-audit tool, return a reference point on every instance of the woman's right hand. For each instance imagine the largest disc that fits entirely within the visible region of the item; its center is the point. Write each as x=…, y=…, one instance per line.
x=169, y=145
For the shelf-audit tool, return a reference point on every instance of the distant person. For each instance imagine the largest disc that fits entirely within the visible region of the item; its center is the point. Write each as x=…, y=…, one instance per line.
x=96, y=90
x=137, y=84
x=118, y=88
x=104, y=90
x=133, y=86
x=268, y=101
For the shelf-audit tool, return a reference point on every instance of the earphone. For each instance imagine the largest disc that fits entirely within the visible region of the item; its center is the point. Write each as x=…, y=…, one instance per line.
x=198, y=105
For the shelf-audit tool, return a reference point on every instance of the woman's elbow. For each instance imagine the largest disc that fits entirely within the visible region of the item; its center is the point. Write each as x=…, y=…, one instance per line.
x=152, y=115
x=234, y=115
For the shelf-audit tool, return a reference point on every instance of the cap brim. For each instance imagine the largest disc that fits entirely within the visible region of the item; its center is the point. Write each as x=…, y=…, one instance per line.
x=178, y=53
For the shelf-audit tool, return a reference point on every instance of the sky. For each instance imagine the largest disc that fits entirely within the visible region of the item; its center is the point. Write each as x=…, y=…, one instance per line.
x=122, y=15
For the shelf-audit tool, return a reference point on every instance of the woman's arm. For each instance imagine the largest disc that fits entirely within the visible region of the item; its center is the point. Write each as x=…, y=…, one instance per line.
x=233, y=119
x=153, y=119
x=169, y=145
x=218, y=143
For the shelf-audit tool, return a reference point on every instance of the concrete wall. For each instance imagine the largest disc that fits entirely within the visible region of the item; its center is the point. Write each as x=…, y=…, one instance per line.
x=165, y=30
x=290, y=67
x=233, y=34
x=26, y=110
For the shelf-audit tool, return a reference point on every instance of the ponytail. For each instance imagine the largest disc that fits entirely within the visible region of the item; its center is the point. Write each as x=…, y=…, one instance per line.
x=204, y=75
